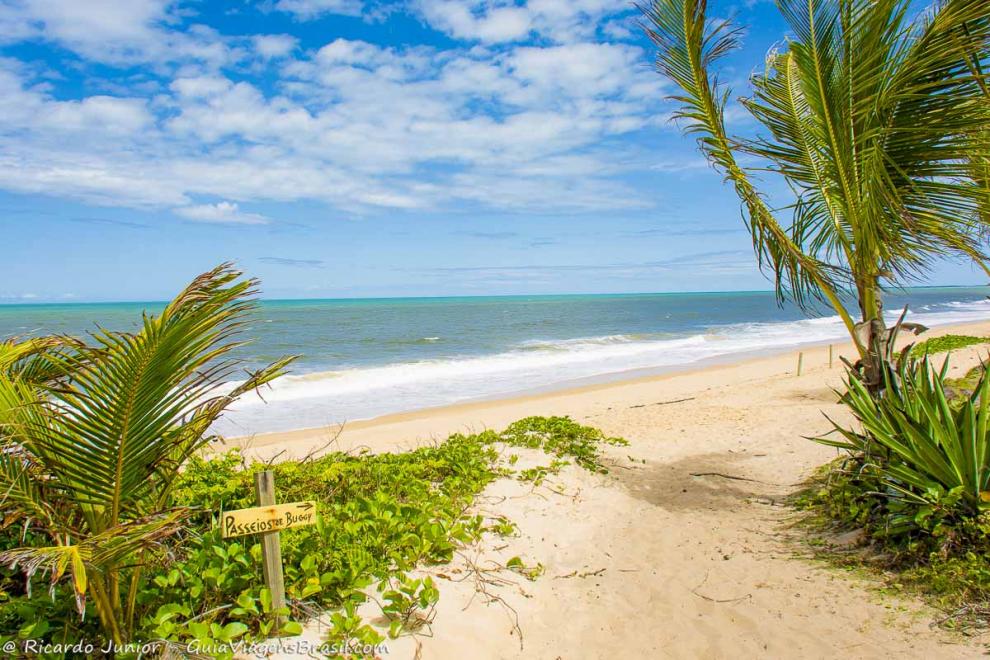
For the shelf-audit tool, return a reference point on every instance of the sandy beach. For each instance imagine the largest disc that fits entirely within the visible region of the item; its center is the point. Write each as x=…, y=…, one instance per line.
x=683, y=549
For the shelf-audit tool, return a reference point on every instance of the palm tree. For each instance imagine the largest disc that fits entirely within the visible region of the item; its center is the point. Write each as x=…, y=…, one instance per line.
x=877, y=122
x=93, y=436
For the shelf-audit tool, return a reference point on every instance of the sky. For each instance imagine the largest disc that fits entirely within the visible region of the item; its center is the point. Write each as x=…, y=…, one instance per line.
x=356, y=148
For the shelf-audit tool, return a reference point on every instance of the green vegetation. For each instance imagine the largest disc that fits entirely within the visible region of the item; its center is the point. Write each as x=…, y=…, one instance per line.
x=945, y=343
x=916, y=481
x=930, y=458
x=947, y=563
x=379, y=517
x=958, y=388
x=93, y=436
x=561, y=437
x=876, y=117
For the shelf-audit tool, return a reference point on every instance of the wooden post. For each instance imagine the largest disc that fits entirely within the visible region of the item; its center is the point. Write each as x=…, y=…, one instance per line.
x=800, y=362
x=271, y=547
x=831, y=353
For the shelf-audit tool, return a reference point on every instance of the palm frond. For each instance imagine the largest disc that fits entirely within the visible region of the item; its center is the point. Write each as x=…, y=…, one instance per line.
x=142, y=397
x=95, y=555
x=876, y=119
x=35, y=360
x=22, y=492
x=687, y=46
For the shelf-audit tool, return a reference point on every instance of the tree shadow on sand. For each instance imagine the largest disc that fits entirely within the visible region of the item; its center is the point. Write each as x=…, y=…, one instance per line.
x=714, y=481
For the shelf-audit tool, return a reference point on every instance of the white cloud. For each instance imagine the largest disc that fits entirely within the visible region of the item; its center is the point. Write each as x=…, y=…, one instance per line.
x=622, y=28
x=271, y=46
x=221, y=212
x=200, y=86
x=104, y=30
x=120, y=32
x=105, y=113
x=589, y=69
x=463, y=20
x=118, y=21
x=31, y=108
x=352, y=124
x=15, y=23
x=310, y=9
x=496, y=21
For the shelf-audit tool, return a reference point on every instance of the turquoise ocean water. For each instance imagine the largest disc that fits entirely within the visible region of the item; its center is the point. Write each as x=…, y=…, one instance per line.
x=367, y=357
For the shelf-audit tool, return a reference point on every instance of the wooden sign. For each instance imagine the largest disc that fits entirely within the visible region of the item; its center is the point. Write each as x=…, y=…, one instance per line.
x=268, y=519
x=264, y=519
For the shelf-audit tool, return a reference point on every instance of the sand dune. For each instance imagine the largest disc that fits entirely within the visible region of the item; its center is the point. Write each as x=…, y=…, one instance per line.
x=650, y=561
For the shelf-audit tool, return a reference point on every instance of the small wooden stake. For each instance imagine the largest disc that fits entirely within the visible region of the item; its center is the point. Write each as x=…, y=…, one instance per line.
x=831, y=352
x=800, y=362
x=271, y=547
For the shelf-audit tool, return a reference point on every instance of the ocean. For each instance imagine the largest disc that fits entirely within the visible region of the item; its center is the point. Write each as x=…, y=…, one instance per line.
x=366, y=357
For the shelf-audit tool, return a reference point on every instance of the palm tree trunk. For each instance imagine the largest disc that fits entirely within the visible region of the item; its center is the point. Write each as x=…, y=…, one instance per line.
x=105, y=610
x=873, y=334
x=135, y=585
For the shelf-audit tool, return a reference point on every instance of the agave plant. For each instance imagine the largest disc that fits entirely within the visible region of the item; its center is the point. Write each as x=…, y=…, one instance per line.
x=876, y=119
x=924, y=449
x=94, y=434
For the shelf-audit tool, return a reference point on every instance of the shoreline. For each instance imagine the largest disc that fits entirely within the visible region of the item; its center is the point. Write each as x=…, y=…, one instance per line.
x=476, y=413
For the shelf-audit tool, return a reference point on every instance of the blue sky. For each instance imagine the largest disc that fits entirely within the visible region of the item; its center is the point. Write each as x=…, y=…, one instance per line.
x=358, y=148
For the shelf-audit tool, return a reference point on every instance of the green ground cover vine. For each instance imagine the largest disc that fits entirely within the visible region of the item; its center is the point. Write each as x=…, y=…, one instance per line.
x=945, y=343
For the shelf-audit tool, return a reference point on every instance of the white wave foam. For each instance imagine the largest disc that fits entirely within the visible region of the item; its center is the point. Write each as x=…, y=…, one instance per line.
x=316, y=399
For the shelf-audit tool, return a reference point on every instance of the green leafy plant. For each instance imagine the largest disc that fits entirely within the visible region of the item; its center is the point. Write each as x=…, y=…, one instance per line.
x=561, y=437
x=349, y=633
x=409, y=603
x=517, y=565
x=94, y=436
x=537, y=475
x=913, y=485
x=876, y=118
x=931, y=458
x=940, y=555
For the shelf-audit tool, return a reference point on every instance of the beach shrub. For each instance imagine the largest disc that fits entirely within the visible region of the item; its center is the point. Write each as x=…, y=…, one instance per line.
x=915, y=481
x=944, y=559
x=380, y=516
x=561, y=437
x=931, y=458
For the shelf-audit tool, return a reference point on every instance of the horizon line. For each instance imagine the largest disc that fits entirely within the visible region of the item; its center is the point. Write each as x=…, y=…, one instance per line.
x=42, y=303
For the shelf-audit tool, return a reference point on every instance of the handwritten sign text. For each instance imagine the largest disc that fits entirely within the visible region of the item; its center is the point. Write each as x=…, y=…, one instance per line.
x=261, y=519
